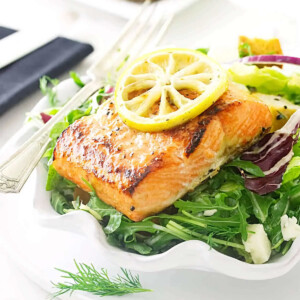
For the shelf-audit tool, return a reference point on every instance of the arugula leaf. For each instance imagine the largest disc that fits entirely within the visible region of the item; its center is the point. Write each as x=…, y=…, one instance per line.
x=57, y=129
x=141, y=248
x=128, y=229
x=59, y=202
x=243, y=221
x=272, y=223
x=246, y=255
x=199, y=207
x=53, y=179
x=76, y=79
x=293, y=170
x=247, y=166
x=55, y=132
x=278, y=210
x=186, y=234
x=293, y=193
x=78, y=113
x=260, y=204
x=57, y=182
x=231, y=186
x=161, y=240
x=104, y=210
x=49, y=152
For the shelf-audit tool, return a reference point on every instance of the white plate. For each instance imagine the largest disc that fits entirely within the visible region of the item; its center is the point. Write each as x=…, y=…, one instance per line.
x=38, y=247
x=127, y=9
x=194, y=255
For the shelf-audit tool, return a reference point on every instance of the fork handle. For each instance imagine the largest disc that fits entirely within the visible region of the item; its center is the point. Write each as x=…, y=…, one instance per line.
x=15, y=170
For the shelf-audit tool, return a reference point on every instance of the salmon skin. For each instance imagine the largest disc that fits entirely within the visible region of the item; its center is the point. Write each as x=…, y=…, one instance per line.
x=141, y=173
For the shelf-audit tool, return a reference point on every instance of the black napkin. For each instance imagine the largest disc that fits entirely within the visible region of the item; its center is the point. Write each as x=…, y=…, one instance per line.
x=21, y=77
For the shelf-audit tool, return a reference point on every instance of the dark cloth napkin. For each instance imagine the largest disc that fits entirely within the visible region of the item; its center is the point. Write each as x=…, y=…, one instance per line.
x=21, y=77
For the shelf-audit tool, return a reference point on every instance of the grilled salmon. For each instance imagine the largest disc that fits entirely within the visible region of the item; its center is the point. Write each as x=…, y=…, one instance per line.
x=141, y=173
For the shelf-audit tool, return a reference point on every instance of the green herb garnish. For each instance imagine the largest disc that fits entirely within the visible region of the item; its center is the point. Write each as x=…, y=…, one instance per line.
x=88, y=279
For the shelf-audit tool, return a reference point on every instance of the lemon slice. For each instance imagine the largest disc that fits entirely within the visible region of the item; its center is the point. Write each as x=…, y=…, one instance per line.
x=168, y=87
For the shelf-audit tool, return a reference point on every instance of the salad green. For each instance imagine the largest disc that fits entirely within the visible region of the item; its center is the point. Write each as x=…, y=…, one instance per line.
x=245, y=50
x=231, y=206
x=98, y=283
x=268, y=80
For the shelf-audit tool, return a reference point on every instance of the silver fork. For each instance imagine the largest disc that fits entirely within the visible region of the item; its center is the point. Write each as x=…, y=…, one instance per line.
x=142, y=32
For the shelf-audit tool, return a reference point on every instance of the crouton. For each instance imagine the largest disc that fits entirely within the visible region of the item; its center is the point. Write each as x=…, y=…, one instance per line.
x=256, y=46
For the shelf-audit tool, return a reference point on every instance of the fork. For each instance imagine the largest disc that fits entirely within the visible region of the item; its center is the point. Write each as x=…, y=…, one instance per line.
x=141, y=33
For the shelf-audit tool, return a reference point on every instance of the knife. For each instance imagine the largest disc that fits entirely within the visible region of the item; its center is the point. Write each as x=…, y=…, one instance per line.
x=21, y=43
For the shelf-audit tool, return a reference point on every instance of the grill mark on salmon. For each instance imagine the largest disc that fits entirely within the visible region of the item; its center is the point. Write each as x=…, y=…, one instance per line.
x=196, y=139
x=137, y=178
x=149, y=171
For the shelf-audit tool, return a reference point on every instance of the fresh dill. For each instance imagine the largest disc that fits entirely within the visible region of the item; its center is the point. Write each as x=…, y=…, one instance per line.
x=98, y=283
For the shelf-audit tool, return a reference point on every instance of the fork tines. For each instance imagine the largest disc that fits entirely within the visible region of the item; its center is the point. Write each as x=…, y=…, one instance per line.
x=140, y=35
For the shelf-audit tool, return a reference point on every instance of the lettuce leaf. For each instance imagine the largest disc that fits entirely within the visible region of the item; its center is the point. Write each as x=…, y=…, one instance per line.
x=268, y=80
x=59, y=202
x=293, y=170
x=247, y=166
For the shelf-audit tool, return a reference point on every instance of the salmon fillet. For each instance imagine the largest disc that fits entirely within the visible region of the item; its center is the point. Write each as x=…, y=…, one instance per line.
x=141, y=173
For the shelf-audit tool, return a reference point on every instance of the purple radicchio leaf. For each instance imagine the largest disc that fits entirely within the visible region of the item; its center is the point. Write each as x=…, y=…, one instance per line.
x=272, y=154
x=45, y=117
x=110, y=90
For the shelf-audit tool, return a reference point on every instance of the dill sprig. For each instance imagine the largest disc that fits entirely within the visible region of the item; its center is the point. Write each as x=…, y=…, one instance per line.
x=88, y=279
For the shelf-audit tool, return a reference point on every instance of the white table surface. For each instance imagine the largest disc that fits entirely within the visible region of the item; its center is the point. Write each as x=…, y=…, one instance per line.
x=208, y=23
